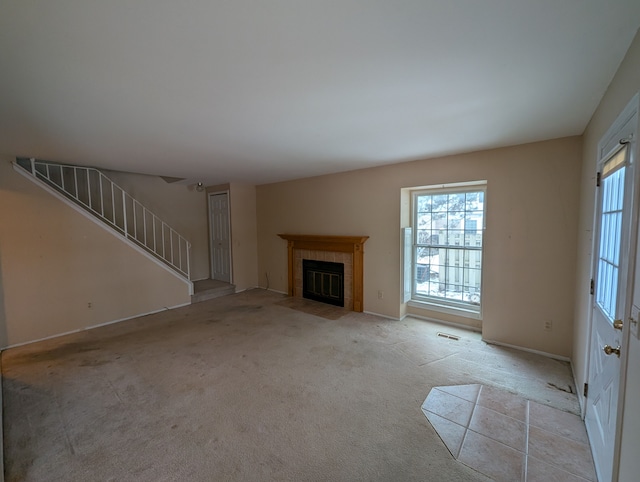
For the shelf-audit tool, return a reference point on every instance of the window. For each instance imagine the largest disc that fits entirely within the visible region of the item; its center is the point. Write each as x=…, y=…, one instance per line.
x=448, y=227
x=610, y=233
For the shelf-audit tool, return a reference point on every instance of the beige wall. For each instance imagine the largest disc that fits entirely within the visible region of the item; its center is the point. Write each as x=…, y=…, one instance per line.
x=244, y=249
x=624, y=85
x=532, y=209
x=54, y=262
x=180, y=206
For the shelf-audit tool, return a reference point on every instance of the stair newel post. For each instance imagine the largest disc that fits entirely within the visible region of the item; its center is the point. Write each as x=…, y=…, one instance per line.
x=33, y=166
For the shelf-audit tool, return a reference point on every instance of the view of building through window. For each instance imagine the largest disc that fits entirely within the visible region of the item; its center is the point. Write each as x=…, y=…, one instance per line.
x=448, y=231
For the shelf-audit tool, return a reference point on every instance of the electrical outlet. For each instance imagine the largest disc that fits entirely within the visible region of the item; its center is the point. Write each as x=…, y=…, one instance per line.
x=380, y=294
x=548, y=325
x=89, y=305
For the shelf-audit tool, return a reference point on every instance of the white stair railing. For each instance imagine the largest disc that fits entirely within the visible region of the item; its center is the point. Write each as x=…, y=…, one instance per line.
x=103, y=198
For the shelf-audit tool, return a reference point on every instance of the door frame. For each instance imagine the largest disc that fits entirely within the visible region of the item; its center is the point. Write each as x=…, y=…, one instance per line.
x=606, y=147
x=209, y=195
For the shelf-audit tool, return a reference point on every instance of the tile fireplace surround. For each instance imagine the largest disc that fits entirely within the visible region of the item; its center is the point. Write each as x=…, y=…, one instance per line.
x=348, y=250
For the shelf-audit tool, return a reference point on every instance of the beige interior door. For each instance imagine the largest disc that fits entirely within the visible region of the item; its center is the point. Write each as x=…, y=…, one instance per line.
x=219, y=236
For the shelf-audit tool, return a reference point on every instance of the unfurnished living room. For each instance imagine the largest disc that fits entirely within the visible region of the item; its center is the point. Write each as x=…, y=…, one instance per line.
x=309, y=241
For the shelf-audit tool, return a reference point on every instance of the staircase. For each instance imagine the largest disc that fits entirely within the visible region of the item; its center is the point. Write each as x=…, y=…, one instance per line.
x=98, y=195
x=209, y=289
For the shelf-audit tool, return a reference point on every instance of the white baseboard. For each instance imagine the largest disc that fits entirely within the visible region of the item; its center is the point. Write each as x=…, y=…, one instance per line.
x=443, y=322
x=529, y=350
x=95, y=326
x=274, y=291
x=381, y=316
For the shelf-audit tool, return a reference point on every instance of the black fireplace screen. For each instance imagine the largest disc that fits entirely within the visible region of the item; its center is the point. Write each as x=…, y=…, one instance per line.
x=323, y=281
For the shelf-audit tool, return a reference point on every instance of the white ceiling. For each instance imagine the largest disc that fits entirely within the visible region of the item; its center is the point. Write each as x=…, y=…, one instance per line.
x=265, y=90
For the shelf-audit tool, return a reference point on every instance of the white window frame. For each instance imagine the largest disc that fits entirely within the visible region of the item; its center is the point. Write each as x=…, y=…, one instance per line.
x=610, y=249
x=437, y=303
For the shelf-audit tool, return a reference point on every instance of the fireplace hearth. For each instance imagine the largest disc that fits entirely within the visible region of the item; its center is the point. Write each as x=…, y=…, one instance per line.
x=323, y=281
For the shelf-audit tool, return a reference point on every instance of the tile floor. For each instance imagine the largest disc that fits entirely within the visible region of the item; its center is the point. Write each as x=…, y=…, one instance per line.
x=507, y=437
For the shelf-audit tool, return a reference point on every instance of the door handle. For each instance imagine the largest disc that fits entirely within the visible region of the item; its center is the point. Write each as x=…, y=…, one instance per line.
x=618, y=324
x=609, y=350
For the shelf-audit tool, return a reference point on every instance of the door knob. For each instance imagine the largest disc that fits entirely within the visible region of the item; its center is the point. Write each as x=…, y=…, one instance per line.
x=618, y=324
x=609, y=350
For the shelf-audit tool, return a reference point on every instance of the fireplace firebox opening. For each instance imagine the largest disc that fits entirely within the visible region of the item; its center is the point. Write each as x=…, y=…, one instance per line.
x=323, y=281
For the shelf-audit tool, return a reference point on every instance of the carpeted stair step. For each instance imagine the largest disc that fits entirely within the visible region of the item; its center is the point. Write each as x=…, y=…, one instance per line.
x=209, y=289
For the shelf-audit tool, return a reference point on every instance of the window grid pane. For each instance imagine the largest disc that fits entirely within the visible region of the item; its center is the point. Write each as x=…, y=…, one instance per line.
x=448, y=246
x=610, y=236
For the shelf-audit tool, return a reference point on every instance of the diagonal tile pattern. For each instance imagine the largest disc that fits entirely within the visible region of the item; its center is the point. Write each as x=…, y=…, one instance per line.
x=507, y=437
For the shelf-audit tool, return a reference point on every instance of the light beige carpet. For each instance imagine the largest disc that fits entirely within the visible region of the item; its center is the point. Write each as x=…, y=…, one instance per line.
x=242, y=388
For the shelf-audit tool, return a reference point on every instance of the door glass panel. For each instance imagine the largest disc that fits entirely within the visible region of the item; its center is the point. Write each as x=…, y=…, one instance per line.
x=612, y=186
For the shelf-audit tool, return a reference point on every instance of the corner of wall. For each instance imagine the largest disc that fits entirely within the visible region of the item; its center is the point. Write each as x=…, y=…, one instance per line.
x=244, y=235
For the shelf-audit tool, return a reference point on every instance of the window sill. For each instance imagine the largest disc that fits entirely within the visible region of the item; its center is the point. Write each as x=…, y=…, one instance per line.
x=442, y=308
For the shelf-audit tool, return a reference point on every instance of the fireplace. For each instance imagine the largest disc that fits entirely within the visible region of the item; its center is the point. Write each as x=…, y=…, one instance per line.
x=347, y=250
x=323, y=281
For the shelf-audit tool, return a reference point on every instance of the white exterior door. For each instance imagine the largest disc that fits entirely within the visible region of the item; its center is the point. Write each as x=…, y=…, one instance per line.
x=610, y=301
x=220, y=240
